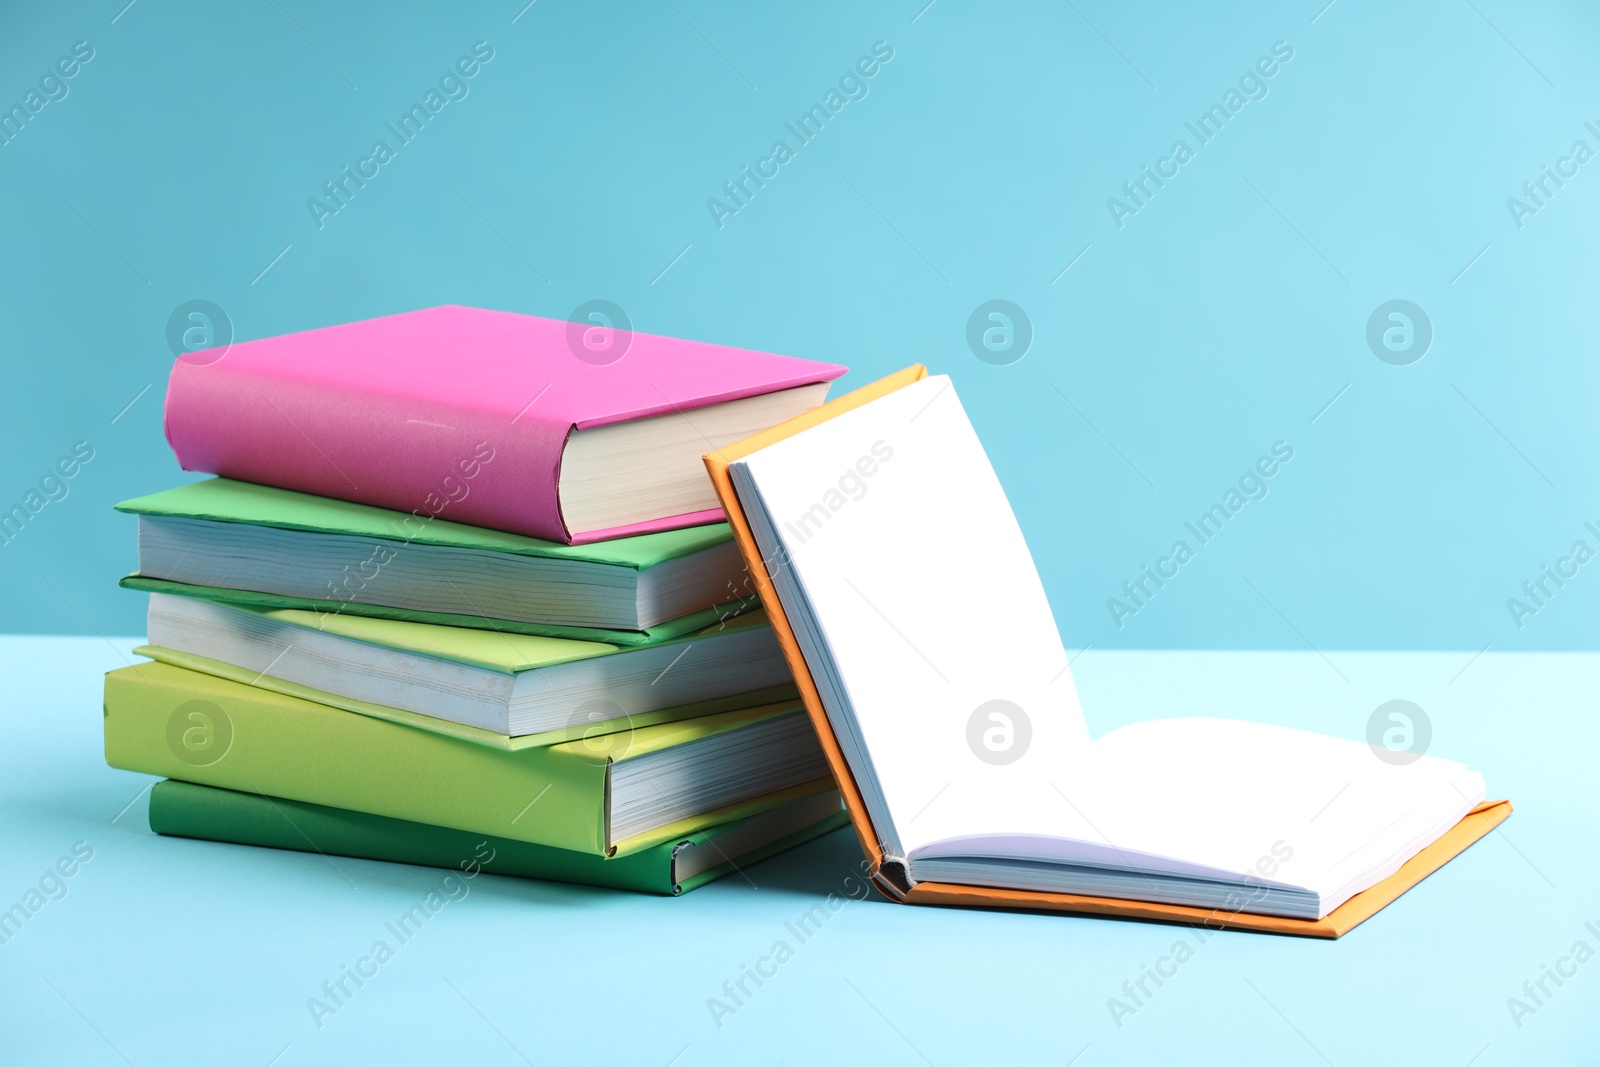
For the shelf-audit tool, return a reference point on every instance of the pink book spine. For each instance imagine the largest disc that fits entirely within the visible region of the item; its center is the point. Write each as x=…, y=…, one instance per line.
x=454, y=412
x=429, y=460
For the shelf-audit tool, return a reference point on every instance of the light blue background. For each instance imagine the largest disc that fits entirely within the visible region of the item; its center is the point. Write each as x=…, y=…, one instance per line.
x=1224, y=317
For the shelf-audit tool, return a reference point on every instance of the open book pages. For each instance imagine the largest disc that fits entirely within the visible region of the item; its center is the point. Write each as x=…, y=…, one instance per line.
x=921, y=617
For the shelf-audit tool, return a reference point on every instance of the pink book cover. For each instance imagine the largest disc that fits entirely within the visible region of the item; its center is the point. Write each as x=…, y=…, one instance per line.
x=457, y=412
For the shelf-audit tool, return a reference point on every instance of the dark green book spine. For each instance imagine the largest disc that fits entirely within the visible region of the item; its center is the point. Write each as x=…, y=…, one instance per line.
x=181, y=809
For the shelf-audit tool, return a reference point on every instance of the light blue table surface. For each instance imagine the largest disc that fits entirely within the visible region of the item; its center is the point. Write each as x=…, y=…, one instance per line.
x=167, y=951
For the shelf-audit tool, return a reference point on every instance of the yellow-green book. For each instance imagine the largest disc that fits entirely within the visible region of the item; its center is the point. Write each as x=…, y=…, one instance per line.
x=609, y=795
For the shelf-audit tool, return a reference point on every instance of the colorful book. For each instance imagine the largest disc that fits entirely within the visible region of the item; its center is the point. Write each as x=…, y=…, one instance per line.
x=962, y=752
x=278, y=548
x=592, y=719
x=486, y=418
x=604, y=795
x=504, y=683
x=667, y=631
x=675, y=866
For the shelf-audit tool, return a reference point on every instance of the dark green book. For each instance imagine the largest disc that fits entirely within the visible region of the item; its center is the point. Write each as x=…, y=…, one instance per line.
x=181, y=809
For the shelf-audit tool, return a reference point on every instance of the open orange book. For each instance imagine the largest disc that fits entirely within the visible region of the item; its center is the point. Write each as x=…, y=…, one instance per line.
x=910, y=611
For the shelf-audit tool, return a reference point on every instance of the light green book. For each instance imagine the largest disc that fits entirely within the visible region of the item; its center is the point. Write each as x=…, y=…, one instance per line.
x=606, y=795
x=677, y=865
x=270, y=547
x=509, y=684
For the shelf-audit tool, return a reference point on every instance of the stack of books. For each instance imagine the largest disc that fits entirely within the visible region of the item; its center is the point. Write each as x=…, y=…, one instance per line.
x=461, y=594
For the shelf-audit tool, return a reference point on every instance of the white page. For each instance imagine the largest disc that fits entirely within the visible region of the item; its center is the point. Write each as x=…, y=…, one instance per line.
x=1222, y=793
x=898, y=530
x=1220, y=797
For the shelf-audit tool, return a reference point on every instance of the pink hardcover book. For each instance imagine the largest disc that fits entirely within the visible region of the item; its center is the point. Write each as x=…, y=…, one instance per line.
x=565, y=431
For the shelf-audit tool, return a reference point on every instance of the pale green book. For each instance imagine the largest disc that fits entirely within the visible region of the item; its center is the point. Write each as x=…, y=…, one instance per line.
x=270, y=547
x=585, y=721
x=510, y=684
x=605, y=795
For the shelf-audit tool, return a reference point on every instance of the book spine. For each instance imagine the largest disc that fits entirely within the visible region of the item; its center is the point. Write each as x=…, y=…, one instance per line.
x=424, y=456
x=174, y=723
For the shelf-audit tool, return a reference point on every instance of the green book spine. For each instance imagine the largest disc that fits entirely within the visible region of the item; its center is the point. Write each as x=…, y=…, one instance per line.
x=225, y=500
x=171, y=722
x=183, y=809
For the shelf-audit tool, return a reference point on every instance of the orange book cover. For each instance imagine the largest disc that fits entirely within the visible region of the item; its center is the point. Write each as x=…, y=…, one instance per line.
x=1482, y=819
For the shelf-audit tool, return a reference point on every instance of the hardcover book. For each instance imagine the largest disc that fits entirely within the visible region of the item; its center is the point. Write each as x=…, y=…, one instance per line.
x=504, y=683
x=608, y=794
x=487, y=418
x=675, y=866
x=271, y=547
x=962, y=753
